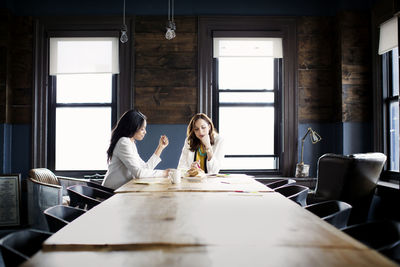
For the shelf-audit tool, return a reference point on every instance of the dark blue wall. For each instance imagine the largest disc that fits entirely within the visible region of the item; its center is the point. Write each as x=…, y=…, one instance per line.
x=184, y=7
x=339, y=138
x=170, y=156
x=15, y=153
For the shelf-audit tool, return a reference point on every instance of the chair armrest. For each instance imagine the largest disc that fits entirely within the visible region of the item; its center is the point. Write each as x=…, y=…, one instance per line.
x=44, y=184
x=71, y=179
x=68, y=181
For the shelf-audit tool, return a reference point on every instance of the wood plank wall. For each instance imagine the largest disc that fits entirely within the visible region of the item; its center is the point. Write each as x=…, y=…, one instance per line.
x=356, y=66
x=4, y=37
x=16, y=59
x=318, y=95
x=166, y=70
x=334, y=68
x=333, y=65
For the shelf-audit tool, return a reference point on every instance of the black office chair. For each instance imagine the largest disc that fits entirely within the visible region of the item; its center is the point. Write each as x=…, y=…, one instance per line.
x=349, y=178
x=99, y=186
x=334, y=212
x=297, y=193
x=59, y=216
x=279, y=183
x=19, y=246
x=383, y=236
x=86, y=197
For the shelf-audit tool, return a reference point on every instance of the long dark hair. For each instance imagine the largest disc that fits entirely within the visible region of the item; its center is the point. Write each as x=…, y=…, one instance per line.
x=194, y=142
x=127, y=126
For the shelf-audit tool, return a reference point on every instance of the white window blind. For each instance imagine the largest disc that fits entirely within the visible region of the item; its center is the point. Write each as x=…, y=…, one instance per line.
x=248, y=47
x=84, y=55
x=388, y=36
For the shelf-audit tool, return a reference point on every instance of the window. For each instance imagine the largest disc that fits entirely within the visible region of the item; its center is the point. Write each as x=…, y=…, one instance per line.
x=247, y=89
x=82, y=85
x=389, y=109
x=82, y=105
x=260, y=112
x=390, y=75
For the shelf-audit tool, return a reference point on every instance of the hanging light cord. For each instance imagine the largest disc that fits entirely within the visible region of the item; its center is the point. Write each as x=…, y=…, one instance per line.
x=124, y=14
x=171, y=10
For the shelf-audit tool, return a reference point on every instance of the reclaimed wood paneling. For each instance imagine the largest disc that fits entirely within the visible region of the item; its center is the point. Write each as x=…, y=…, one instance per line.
x=166, y=70
x=317, y=70
x=334, y=68
x=16, y=60
x=4, y=56
x=356, y=71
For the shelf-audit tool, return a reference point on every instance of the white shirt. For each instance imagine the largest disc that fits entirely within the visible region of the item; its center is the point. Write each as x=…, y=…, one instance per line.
x=126, y=164
x=213, y=165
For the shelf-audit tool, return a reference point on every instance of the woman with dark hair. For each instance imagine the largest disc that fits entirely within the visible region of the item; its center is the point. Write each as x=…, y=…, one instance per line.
x=124, y=162
x=203, y=147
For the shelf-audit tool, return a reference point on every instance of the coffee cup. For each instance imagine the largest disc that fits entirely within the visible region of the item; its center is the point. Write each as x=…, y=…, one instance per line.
x=175, y=176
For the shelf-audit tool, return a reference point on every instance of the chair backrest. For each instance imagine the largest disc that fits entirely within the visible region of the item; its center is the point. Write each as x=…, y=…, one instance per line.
x=60, y=215
x=99, y=186
x=43, y=175
x=86, y=197
x=19, y=246
x=334, y=212
x=384, y=236
x=280, y=183
x=351, y=178
x=297, y=193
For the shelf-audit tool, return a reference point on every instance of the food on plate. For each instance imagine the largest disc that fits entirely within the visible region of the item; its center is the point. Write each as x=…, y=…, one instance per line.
x=192, y=172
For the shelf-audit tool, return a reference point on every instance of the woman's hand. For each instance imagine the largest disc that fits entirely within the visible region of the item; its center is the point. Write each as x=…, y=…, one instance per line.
x=195, y=165
x=164, y=142
x=206, y=141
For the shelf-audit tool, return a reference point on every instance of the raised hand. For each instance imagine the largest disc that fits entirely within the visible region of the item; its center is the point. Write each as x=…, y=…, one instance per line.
x=164, y=142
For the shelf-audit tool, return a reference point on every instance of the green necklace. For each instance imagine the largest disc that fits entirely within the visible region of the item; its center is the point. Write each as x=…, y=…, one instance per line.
x=202, y=154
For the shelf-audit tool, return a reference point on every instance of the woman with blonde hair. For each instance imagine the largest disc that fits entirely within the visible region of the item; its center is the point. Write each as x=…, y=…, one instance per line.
x=203, y=147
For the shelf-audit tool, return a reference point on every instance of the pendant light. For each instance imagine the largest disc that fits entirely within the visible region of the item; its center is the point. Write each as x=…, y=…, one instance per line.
x=124, y=29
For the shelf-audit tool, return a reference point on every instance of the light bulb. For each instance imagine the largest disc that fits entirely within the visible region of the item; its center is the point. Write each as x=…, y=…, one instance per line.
x=171, y=27
x=124, y=36
x=170, y=34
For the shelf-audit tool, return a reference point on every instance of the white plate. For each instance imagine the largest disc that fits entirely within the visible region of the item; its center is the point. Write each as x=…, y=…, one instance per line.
x=194, y=178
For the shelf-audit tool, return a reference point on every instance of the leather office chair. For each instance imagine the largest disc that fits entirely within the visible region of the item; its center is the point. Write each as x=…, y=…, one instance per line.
x=349, y=178
x=19, y=246
x=86, y=197
x=59, y=216
x=334, y=212
x=45, y=190
x=384, y=236
x=297, y=193
x=279, y=183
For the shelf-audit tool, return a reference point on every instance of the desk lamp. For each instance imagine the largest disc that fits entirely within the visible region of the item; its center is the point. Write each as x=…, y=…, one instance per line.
x=302, y=169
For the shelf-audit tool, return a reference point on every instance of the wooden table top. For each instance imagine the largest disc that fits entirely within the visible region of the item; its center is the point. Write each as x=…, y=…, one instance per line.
x=213, y=256
x=229, y=183
x=172, y=227
x=141, y=220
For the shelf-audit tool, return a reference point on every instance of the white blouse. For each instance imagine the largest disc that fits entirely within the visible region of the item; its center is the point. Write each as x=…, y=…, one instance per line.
x=126, y=164
x=213, y=165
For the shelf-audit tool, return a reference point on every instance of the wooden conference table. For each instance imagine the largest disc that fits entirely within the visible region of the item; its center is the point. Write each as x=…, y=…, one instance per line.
x=203, y=224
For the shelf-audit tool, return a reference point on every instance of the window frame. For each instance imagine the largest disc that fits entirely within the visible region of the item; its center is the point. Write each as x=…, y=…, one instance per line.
x=283, y=27
x=277, y=115
x=53, y=105
x=46, y=27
